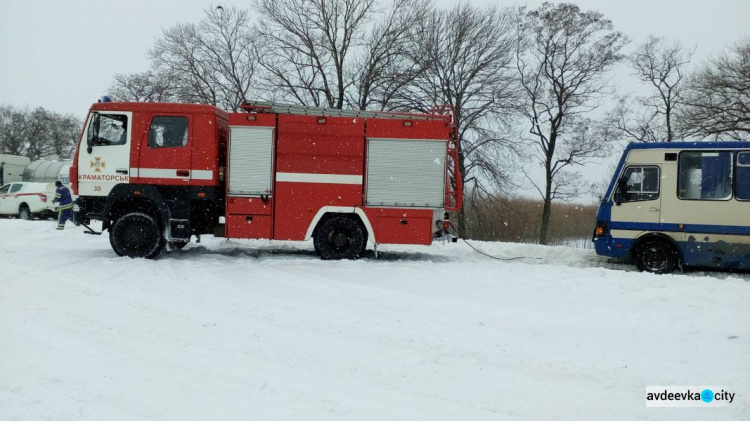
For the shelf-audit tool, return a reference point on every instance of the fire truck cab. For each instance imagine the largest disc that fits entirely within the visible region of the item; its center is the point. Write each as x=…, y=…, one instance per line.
x=157, y=174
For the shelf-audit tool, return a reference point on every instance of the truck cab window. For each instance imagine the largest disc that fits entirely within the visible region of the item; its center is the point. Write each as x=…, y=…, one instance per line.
x=705, y=175
x=742, y=190
x=112, y=130
x=168, y=132
x=15, y=187
x=639, y=183
x=4, y=189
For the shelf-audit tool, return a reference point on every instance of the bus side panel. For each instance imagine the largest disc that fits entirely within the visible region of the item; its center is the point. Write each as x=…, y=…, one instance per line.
x=719, y=251
x=714, y=232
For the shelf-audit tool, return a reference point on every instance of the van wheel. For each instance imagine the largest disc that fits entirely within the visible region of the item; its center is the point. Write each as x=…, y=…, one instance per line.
x=656, y=256
x=24, y=214
x=136, y=234
x=339, y=237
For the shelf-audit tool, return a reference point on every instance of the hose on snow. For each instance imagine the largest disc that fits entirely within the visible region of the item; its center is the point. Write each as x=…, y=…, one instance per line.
x=458, y=233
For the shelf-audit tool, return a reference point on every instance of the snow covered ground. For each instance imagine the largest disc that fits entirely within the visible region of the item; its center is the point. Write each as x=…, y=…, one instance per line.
x=258, y=330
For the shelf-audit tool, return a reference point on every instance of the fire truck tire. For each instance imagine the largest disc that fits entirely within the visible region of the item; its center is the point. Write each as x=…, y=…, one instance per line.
x=136, y=234
x=340, y=237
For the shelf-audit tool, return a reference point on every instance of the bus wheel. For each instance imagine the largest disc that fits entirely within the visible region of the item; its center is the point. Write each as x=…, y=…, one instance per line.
x=136, y=234
x=339, y=237
x=656, y=256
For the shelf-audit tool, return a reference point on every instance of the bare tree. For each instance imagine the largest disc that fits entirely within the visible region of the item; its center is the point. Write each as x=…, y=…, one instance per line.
x=177, y=55
x=13, y=131
x=717, y=100
x=636, y=122
x=63, y=134
x=37, y=133
x=38, y=123
x=563, y=57
x=585, y=139
x=147, y=86
x=660, y=65
x=463, y=57
x=307, y=45
x=212, y=62
x=380, y=67
x=25, y=133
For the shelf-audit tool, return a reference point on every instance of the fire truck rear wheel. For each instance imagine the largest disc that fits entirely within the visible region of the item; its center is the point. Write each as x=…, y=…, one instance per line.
x=340, y=237
x=136, y=234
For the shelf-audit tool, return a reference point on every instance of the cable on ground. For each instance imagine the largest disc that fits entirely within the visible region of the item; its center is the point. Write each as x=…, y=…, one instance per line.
x=489, y=255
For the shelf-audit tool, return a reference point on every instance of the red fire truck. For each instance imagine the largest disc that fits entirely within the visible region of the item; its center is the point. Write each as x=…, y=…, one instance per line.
x=157, y=174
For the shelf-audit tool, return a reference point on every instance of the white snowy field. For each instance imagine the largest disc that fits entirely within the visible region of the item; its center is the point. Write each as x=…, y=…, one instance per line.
x=259, y=330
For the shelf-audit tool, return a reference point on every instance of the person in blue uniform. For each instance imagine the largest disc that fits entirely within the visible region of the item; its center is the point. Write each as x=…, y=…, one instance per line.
x=65, y=205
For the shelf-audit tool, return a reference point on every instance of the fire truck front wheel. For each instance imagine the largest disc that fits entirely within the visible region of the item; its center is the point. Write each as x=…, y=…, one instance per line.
x=340, y=237
x=136, y=234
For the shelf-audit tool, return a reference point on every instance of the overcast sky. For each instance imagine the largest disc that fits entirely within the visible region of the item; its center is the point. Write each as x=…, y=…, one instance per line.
x=63, y=55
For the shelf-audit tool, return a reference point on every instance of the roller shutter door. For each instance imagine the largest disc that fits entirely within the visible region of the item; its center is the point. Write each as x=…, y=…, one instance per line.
x=250, y=160
x=408, y=173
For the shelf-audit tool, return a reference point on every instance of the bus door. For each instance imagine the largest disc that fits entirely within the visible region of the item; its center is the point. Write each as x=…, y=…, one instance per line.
x=637, y=202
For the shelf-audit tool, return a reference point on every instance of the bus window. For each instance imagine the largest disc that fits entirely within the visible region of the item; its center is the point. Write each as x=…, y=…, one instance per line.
x=705, y=175
x=742, y=191
x=638, y=184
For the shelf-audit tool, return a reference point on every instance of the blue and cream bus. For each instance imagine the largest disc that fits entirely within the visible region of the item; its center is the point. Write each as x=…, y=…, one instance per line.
x=678, y=204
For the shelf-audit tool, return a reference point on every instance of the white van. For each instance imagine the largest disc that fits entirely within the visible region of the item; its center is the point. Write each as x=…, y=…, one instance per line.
x=678, y=204
x=28, y=200
x=12, y=168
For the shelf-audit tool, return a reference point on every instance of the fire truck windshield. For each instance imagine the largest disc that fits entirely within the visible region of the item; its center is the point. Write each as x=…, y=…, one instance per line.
x=107, y=130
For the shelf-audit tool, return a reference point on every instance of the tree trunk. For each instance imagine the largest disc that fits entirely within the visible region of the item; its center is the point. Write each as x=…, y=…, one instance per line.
x=546, y=211
x=668, y=115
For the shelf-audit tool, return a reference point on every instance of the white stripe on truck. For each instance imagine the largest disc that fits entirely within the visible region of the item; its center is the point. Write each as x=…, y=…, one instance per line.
x=293, y=177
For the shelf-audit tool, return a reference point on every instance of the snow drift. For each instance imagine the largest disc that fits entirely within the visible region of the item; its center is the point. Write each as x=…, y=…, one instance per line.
x=227, y=330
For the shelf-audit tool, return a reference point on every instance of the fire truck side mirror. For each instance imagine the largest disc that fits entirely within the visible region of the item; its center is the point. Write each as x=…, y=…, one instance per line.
x=622, y=186
x=93, y=132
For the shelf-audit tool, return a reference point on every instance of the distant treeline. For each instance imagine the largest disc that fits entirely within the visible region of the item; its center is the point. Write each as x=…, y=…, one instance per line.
x=517, y=220
x=37, y=132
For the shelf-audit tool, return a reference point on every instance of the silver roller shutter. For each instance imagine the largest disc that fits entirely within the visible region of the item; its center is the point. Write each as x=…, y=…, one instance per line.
x=406, y=172
x=250, y=160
